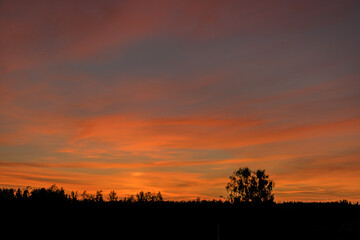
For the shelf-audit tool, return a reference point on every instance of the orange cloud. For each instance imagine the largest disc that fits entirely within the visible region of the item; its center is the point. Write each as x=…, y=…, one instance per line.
x=134, y=134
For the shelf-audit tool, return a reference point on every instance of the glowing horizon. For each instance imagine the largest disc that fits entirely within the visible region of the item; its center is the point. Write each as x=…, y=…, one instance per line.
x=173, y=96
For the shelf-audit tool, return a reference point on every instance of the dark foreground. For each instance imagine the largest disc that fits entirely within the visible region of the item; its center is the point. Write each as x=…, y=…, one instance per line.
x=169, y=220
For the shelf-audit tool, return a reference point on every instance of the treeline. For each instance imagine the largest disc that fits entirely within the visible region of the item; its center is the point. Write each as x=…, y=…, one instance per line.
x=54, y=194
x=57, y=195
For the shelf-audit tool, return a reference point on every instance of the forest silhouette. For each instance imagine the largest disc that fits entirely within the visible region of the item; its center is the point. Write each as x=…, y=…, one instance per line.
x=248, y=211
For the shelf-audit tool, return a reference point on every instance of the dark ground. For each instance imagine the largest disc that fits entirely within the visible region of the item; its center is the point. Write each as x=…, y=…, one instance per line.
x=168, y=220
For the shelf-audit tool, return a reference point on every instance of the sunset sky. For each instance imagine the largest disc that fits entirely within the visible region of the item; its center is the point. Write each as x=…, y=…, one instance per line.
x=173, y=96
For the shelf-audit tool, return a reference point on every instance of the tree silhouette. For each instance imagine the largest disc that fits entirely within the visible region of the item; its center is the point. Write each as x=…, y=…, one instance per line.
x=250, y=186
x=73, y=196
x=7, y=194
x=87, y=197
x=143, y=197
x=26, y=193
x=112, y=196
x=18, y=194
x=99, y=196
x=52, y=194
x=129, y=199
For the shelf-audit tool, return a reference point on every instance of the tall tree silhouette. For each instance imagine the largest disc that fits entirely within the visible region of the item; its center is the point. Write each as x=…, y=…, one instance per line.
x=250, y=186
x=112, y=196
x=99, y=196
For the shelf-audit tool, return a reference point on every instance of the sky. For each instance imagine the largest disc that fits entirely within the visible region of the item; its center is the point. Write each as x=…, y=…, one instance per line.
x=173, y=96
